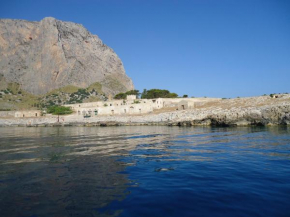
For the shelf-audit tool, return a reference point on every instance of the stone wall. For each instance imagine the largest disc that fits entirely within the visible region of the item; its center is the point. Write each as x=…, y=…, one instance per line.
x=118, y=107
x=7, y=114
x=185, y=104
x=25, y=114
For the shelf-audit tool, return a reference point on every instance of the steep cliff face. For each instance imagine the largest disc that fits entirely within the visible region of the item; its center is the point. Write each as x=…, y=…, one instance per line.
x=50, y=54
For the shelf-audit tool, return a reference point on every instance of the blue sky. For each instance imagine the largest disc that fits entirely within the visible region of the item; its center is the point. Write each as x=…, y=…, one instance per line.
x=213, y=48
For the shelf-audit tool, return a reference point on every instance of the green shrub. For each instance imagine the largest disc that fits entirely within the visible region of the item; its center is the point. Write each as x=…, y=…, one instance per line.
x=133, y=92
x=82, y=92
x=136, y=102
x=120, y=96
x=157, y=93
x=124, y=95
x=1, y=109
x=59, y=110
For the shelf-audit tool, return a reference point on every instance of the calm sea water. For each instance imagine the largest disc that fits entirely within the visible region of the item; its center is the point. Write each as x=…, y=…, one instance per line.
x=144, y=171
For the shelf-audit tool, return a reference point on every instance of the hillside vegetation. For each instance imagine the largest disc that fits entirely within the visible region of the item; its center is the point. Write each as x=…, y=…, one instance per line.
x=12, y=97
x=148, y=94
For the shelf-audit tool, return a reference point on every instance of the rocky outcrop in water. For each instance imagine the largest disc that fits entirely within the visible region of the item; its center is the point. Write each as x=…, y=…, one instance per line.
x=266, y=115
x=261, y=111
x=50, y=54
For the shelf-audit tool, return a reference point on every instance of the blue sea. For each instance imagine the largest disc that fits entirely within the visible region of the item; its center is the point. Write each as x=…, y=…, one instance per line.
x=145, y=171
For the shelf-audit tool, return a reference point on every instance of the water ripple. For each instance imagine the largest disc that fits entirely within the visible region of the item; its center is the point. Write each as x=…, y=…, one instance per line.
x=145, y=171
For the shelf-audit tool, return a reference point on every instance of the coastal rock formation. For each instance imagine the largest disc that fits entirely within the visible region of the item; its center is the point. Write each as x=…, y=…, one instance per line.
x=252, y=111
x=50, y=54
x=262, y=116
x=255, y=111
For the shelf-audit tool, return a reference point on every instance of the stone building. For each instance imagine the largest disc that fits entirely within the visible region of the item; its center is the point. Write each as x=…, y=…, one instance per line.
x=129, y=106
x=131, y=97
x=7, y=114
x=27, y=113
x=133, y=106
x=185, y=104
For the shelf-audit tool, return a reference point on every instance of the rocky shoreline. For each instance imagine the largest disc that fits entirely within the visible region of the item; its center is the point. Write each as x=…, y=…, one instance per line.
x=273, y=114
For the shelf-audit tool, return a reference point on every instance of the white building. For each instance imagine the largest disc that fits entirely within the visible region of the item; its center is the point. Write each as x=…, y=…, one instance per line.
x=118, y=107
x=133, y=106
x=27, y=113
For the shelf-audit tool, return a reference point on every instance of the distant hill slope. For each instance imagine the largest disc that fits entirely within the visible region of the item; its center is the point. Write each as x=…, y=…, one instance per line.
x=51, y=54
x=13, y=97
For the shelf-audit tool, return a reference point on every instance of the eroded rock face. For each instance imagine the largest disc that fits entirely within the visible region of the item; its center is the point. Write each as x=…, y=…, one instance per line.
x=45, y=55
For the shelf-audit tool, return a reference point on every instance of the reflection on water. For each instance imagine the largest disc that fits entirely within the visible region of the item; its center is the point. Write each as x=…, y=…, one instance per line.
x=144, y=171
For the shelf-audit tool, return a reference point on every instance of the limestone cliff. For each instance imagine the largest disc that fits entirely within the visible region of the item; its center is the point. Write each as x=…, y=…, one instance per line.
x=50, y=54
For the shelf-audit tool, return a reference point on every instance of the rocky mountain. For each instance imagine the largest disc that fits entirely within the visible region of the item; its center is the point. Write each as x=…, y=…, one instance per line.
x=51, y=54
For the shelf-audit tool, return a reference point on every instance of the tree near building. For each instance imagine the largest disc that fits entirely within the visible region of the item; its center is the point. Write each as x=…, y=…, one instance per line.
x=157, y=93
x=133, y=92
x=148, y=94
x=124, y=95
x=120, y=96
x=144, y=93
x=59, y=110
